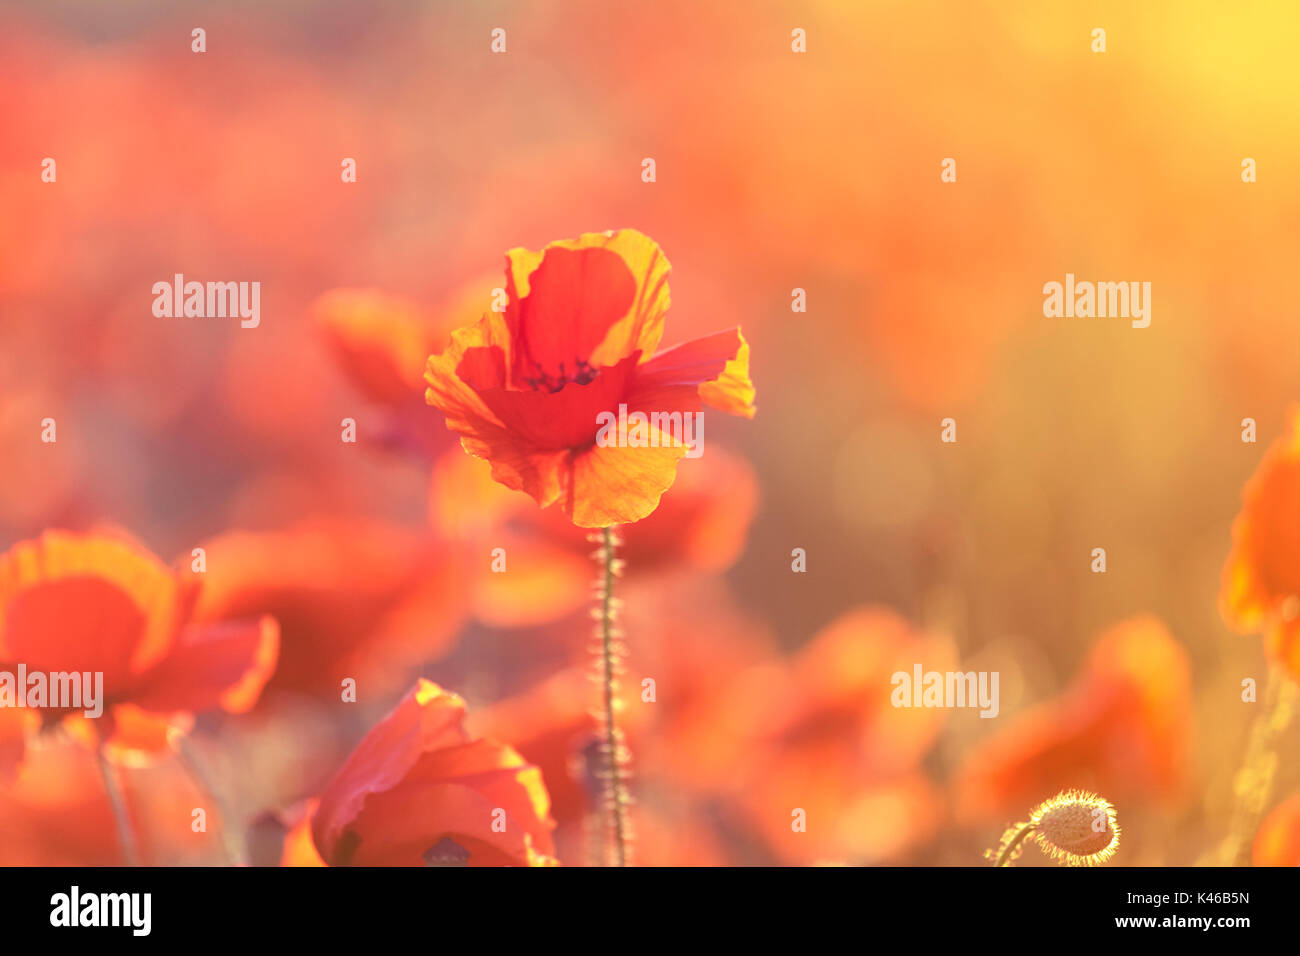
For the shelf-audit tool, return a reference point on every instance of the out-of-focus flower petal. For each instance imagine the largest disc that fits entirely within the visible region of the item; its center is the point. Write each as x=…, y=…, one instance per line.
x=14, y=727
x=379, y=340
x=340, y=589
x=220, y=665
x=1278, y=841
x=846, y=818
x=139, y=737
x=549, y=724
x=1122, y=728
x=417, y=781
x=57, y=813
x=86, y=602
x=299, y=848
x=1261, y=578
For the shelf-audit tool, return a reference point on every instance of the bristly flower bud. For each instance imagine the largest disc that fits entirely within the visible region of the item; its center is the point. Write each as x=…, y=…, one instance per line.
x=1074, y=828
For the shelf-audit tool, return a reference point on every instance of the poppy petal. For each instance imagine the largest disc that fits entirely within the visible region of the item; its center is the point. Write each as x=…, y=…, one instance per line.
x=599, y=297
x=139, y=736
x=454, y=793
x=14, y=725
x=563, y=419
x=1263, y=568
x=608, y=485
x=426, y=719
x=447, y=391
x=713, y=370
x=74, y=602
x=219, y=665
x=1278, y=841
x=379, y=340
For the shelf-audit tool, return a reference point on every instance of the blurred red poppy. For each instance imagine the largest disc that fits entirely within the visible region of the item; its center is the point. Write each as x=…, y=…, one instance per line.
x=355, y=597
x=99, y=604
x=1261, y=579
x=381, y=341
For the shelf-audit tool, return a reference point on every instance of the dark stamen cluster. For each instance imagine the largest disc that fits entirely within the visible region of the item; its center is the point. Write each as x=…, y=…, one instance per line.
x=583, y=373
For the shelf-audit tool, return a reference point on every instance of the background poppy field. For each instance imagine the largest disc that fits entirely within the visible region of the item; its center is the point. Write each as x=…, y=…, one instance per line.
x=775, y=171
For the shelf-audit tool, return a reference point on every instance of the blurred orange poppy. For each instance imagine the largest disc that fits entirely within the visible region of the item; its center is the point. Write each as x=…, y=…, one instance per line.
x=823, y=737
x=100, y=604
x=578, y=338
x=1122, y=728
x=355, y=597
x=418, y=789
x=550, y=724
x=57, y=813
x=702, y=526
x=1261, y=579
x=381, y=341
x=1278, y=841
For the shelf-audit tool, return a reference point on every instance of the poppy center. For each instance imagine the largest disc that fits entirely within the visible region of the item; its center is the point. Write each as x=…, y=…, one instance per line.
x=582, y=372
x=446, y=852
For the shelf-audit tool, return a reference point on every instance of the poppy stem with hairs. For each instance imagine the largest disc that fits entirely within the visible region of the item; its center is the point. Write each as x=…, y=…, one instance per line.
x=615, y=755
x=117, y=798
x=1009, y=851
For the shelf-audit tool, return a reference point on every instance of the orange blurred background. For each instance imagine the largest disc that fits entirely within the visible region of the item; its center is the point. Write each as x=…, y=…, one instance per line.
x=775, y=171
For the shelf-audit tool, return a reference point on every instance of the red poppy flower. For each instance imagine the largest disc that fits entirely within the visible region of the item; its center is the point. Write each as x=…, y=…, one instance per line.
x=1261, y=579
x=578, y=338
x=93, y=603
x=418, y=790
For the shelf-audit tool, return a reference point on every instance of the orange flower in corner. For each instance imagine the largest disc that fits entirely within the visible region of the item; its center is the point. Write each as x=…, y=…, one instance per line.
x=1261, y=579
x=1278, y=841
x=578, y=338
x=418, y=790
x=100, y=605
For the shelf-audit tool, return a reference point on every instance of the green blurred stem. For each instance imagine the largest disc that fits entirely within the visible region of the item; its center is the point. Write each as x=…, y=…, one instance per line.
x=1253, y=784
x=121, y=814
x=197, y=770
